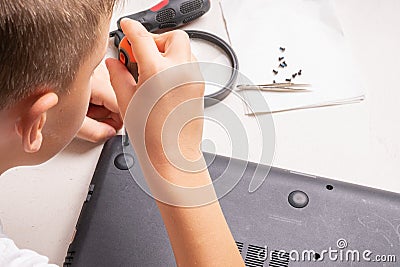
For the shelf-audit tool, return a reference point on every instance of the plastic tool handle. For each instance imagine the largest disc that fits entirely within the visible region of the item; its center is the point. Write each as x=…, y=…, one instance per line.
x=127, y=58
x=170, y=14
x=164, y=15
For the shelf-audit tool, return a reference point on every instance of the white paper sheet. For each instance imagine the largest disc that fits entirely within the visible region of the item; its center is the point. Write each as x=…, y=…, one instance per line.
x=314, y=42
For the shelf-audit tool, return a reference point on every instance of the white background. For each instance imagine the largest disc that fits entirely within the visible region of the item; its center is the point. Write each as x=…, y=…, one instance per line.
x=359, y=143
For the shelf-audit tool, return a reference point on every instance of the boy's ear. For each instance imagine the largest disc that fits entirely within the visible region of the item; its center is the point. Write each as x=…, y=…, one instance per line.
x=30, y=123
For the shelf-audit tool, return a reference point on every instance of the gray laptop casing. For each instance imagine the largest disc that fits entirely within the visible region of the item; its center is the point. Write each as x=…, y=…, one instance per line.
x=120, y=224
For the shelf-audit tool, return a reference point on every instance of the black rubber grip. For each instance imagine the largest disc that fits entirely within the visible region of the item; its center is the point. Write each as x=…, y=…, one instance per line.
x=173, y=14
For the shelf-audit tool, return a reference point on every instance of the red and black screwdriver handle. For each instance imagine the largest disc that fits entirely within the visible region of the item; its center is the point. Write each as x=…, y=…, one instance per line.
x=170, y=14
x=167, y=14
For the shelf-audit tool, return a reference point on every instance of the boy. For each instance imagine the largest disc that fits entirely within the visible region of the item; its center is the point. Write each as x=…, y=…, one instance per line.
x=48, y=53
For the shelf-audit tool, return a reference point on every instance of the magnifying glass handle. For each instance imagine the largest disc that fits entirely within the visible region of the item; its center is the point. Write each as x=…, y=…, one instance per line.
x=170, y=14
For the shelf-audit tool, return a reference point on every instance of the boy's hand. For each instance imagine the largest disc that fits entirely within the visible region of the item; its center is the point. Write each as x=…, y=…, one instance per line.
x=102, y=119
x=155, y=53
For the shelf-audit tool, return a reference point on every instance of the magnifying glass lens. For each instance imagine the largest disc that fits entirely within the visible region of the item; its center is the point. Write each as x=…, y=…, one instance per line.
x=205, y=51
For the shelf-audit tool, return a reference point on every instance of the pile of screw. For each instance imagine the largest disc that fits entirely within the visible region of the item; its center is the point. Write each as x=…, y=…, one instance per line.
x=282, y=64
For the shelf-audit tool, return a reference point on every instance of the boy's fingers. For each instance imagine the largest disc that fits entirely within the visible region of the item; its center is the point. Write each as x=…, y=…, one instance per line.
x=102, y=92
x=102, y=114
x=115, y=123
x=103, y=95
x=123, y=83
x=143, y=45
x=98, y=112
x=95, y=131
x=176, y=44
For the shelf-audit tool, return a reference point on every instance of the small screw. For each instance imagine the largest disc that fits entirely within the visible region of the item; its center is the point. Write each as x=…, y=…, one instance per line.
x=294, y=75
x=299, y=73
x=281, y=65
x=288, y=80
x=282, y=49
x=273, y=81
x=281, y=58
x=284, y=63
x=275, y=72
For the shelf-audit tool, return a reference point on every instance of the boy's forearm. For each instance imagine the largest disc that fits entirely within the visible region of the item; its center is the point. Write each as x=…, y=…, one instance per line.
x=199, y=235
x=197, y=229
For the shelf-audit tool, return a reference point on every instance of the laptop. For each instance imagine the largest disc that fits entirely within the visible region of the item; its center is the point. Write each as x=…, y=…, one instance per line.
x=292, y=219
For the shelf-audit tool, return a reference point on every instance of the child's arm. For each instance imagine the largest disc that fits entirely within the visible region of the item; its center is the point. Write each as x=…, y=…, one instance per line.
x=199, y=235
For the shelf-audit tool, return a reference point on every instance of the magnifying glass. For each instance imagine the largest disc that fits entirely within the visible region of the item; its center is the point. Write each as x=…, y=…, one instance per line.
x=210, y=48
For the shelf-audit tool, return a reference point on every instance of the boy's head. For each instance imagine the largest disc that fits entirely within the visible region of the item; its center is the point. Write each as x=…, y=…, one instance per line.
x=48, y=51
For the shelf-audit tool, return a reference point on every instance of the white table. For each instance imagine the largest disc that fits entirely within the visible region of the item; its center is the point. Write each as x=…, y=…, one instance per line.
x=359, y=143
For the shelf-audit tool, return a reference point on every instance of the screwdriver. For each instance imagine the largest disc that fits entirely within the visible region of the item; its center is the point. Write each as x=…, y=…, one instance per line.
x=168, y=14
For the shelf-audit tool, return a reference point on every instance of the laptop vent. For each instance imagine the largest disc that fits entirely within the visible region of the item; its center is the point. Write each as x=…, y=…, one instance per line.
x=69, y=259
x=90, y=193
x=255, y=256
x=279, y=259
x=240, y=246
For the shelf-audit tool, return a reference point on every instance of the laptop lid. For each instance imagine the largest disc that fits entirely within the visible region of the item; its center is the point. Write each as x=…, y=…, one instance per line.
x=293, y=219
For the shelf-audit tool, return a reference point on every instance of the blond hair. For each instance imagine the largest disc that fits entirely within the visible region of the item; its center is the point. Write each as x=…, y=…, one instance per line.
x=44, y=42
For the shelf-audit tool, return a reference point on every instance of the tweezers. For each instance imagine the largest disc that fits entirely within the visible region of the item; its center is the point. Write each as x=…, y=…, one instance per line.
x=276, y=87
